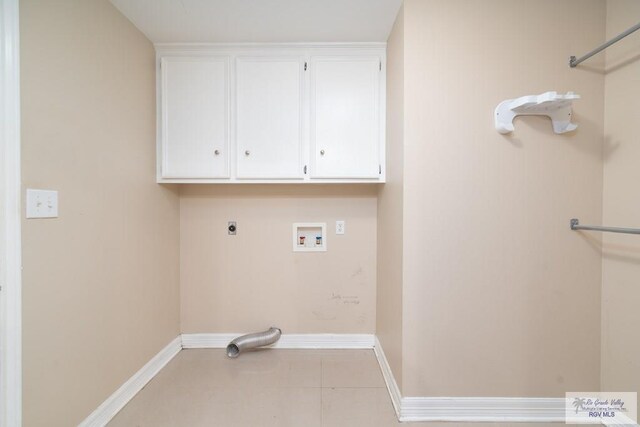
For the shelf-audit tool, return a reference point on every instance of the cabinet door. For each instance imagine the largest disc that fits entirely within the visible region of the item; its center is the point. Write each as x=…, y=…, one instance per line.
x=345, y=117
x=195, y=117
x=269, y=117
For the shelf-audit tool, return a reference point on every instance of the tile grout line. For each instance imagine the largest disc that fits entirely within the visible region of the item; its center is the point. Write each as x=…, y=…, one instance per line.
x=321, y=393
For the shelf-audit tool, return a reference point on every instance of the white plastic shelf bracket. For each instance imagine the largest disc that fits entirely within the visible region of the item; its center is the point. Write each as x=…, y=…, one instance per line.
x=556, y=107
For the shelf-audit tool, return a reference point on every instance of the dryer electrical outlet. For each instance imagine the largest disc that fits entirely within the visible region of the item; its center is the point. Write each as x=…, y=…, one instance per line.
x=232, y=228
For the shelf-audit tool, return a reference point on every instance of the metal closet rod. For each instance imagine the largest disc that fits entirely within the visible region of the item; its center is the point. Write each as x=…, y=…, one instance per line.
x=573, y=61
x=575, y=225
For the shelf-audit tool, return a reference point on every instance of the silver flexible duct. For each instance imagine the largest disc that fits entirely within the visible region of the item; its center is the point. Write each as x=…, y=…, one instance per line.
x=248, y=341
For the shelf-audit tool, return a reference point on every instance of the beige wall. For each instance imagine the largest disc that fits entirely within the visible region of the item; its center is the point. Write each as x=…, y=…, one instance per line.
x=390, y=209
x=100, y=283
x=254, y=280
x=500, y=297
x=621, y=253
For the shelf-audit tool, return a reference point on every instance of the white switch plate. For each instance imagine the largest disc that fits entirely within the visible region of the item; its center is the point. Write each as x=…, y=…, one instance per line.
x=339, y=227
x=42, y=203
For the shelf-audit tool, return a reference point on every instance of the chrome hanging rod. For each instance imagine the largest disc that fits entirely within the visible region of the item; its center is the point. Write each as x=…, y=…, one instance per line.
x=573, y=61
x=575, y=225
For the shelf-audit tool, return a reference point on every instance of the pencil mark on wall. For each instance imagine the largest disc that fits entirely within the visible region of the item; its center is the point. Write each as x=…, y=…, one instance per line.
x=345, y=299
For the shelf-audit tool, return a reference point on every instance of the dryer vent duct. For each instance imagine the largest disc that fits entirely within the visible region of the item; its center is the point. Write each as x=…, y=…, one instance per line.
x=258, y=339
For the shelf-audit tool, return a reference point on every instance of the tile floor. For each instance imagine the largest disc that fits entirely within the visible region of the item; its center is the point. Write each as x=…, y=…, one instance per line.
x=264, y=388
x=308, y=388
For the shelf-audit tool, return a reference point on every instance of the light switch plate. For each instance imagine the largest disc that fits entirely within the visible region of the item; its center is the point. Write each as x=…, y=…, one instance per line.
x=339, y=227
x=42, y=203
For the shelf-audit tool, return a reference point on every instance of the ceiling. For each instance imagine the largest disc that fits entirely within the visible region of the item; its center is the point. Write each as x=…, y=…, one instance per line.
x=261, y=21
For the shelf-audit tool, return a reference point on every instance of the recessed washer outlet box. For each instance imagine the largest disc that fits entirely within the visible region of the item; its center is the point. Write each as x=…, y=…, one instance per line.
x=310, y=237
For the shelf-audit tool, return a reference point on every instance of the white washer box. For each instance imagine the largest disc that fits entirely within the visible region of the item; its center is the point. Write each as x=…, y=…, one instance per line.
x=310, y=237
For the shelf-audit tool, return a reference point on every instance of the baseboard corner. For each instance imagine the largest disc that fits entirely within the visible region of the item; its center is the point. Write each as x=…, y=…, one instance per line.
x=389, y=379
x=468, y=409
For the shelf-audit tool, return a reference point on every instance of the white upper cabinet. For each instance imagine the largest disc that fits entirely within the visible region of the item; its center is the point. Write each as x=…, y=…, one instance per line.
x=345, y=117
x=195, y=117
x=271, y=113
x=269, y=117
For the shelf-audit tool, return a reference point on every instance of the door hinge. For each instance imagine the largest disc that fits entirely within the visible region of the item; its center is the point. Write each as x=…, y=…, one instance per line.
x=305, y=169
x=305, y=66
x=379, y=169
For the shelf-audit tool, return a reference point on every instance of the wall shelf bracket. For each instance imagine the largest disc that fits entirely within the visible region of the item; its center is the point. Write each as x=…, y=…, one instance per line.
x=551, y=104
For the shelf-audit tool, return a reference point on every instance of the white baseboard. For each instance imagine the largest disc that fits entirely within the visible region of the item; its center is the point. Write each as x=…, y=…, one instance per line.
x=287, y=341
x=468, y=409
x=110, y=407
x=483, y=409
x=389, y=379
x=623, y=421
x=206, y=340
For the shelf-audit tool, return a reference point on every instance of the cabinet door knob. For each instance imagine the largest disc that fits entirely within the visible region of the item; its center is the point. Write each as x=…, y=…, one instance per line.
x=322, y=152
x=216, y=152
x=246, y=153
